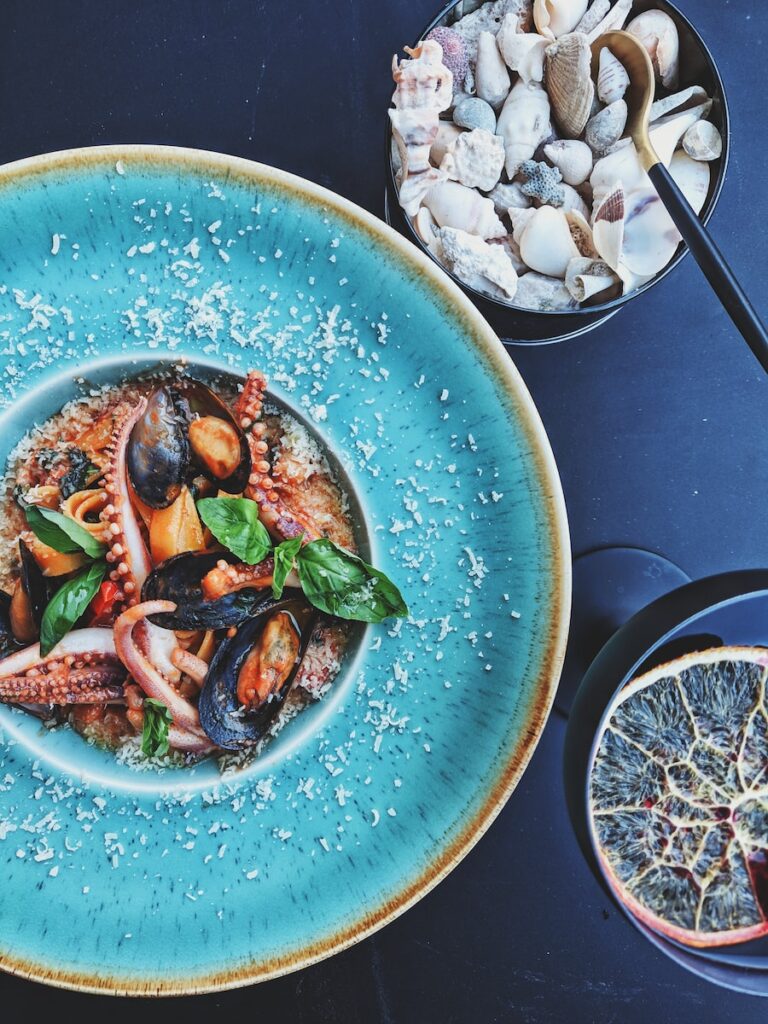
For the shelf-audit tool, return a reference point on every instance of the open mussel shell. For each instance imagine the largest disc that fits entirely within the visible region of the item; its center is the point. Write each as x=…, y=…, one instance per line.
x=201, y=401
x=178, y=579
x=8, y=642
x=221, y=716
x=157, y=455
x=38, y=588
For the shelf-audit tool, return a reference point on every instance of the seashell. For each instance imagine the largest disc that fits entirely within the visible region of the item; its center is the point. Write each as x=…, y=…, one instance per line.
x=586, y=277
x=512, y=249
x=650, y=236
x=613, y=19
x=581, y=233
x=542, y=183
x=569, y=83
x=447, y=133
x=658, y=34
x=605, y=128
x=572, y=201
x=523, y=123
x=545, y=242
x=522, y=51
x=491, y=75
x=593, y=17
x=612, y=77
x=545, y=294
x=554, y=18
x=487, y=18
x=692, y=177
x=425, y=225
x=472, y=112
x=608, y=227
x=487, y=268
x=693, y=96
x=572, y=158
x=520, y=218
x=456, y=206
x=423, y=88
x=505, y=196
x=454, y=52
x=666, y=133
x=702, y=141
x=476, y=159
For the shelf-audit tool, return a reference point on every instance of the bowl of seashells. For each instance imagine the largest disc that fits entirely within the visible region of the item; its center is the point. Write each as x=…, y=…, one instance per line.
x=509, y=163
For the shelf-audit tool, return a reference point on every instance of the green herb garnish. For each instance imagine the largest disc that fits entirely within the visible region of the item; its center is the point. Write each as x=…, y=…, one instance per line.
x=284, y=555
x=154, y=735
x=340, y=583
x=235, y=523
x=68, y=604
x=61, y=533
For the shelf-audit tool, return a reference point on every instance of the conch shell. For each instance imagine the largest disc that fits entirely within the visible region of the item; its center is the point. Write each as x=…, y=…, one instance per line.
x=491, y=75
x=456, y=206
x=569, y=82
x=703, y=141
x=612, y=77
x=487, y=268
x=447, y=134
x=522, y=51
x=587, y=277
x=555, y=18
x=545, y=242
x=523, y=124
x=476, y=159
x=572, y=158
x=658, y=34
x=424, y=88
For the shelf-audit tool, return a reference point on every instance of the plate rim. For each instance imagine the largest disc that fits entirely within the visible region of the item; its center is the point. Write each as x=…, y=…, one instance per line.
x=478, y=335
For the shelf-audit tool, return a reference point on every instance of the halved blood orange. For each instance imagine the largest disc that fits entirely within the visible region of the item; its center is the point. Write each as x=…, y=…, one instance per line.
x=678, y=797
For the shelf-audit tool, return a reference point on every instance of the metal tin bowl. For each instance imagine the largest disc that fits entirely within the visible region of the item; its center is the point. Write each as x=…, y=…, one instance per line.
x=529, y=327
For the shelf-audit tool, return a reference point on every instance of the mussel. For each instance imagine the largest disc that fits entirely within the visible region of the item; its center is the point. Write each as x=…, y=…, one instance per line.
x=157, y=455
x=179, y=579
x=186, y=430
x=8, y=642
x=32, y=593
x=252, y=673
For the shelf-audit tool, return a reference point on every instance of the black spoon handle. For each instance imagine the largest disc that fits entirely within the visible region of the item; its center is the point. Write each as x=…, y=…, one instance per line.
x=712, y=263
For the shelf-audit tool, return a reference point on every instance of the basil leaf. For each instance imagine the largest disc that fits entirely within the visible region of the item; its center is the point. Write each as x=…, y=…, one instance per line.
x=154, y=735
x=61, y=533
x=68, y=604
x=235, y=523
x=340, y=583
x=283, y=555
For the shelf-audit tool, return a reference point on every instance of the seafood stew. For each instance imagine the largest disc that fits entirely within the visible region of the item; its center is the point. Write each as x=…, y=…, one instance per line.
x=179, y=570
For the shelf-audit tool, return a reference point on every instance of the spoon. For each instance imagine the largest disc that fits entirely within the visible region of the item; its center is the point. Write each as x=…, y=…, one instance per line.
x=639, y=97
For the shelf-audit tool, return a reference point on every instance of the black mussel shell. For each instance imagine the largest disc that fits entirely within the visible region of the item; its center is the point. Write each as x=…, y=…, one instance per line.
x=38, y=588
x=158, y=449
x=8, y=642
x=202, y=401
x=178, y=579
x=219, y=708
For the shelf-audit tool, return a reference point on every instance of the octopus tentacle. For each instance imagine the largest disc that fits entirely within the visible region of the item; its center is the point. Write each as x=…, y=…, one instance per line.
x=190, y=665
x=83, y=668
x=150, y=678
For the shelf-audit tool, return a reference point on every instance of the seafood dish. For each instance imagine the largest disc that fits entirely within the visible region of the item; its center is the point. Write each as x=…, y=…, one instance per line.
x=179, y=569
x=511, y=157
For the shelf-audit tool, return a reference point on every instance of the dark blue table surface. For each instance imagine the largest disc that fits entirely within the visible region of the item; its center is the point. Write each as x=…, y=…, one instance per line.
x=657, y=421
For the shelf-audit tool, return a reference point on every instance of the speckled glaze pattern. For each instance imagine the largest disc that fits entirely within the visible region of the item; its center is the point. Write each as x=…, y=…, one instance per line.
x=117, y=258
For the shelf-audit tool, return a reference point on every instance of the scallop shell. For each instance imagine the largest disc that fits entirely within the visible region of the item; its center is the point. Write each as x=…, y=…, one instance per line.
x=545, y=294
x=586, y=277
x=487, y=268
x=608, y=227
x=703, y=141
x=612, y=77
x=476, y=159
x=523, y=124
x=572, y=158
x=546, y=244
x=692, y=177
x=614, y=19
x=491, y=75
x=606, y=127
x=505, y=196
x=522, y=51
x=456, y=206
x=658, y=34
x=445, y=139
x=554, y=18
x=569, y=83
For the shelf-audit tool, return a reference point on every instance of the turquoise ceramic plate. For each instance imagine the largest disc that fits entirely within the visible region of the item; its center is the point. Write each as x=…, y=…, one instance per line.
x=114, y=259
